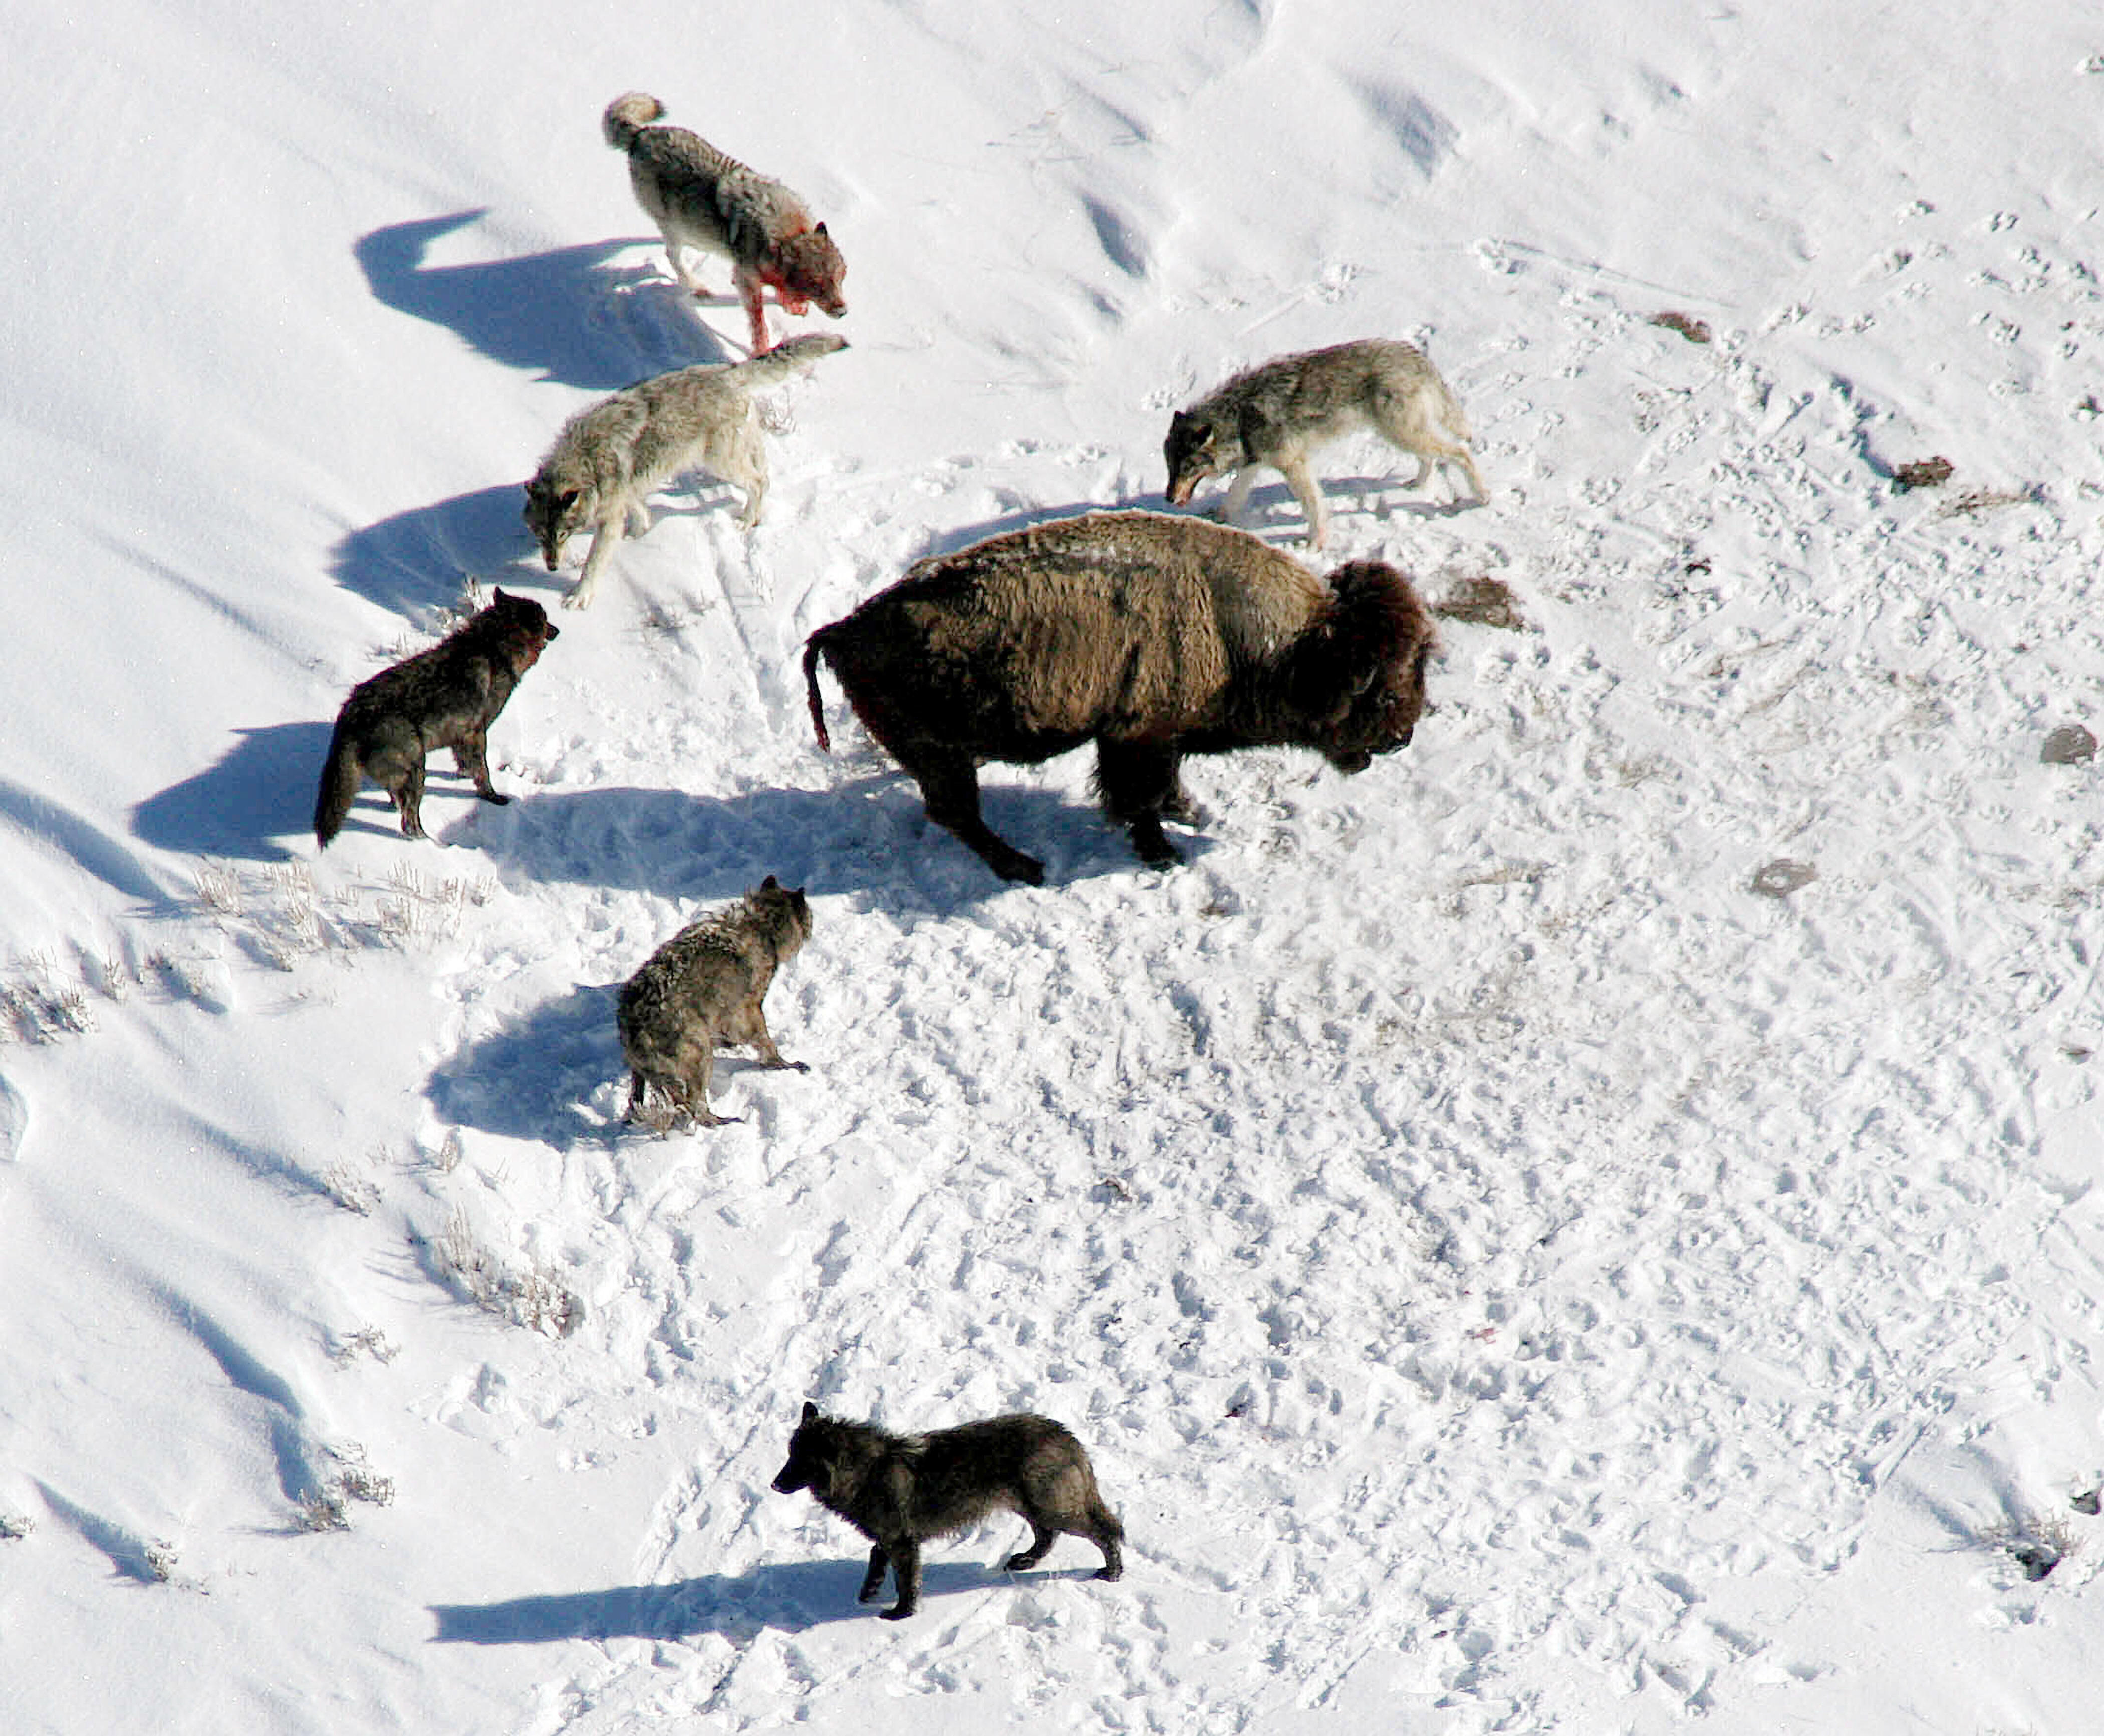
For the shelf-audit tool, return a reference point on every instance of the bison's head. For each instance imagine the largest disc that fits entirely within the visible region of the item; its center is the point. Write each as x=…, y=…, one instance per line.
x=1358, y=677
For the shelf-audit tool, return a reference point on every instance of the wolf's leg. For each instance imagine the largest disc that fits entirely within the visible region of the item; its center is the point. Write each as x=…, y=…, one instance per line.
x=471, y=755
x=408, y=796
x=1041, y=1545
x=873, y=1581
x=1238, y=494
x=688, y=280
x=1309, y=492
x=905, y=1570
x=638, y=1094
x=604, y=540
x=749, y=288
x=698, y=1061
x=639, y=517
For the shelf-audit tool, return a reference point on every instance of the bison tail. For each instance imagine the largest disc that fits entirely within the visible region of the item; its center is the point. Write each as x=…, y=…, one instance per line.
x=813, y=648
x=340, y=776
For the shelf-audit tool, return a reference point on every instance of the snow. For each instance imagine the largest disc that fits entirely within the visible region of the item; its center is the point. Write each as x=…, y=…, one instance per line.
x=1511, y=1272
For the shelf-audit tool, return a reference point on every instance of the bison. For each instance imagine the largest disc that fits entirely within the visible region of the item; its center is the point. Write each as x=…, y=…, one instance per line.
x=1154, y=636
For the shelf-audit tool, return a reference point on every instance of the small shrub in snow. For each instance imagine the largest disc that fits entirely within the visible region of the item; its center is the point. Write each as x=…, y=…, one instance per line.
x=14, y=1527
x=159, y=1556
x=535, y=1298
x=1922, y=473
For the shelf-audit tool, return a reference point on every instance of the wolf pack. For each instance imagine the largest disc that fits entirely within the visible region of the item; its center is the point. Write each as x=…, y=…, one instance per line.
x=1151, y=636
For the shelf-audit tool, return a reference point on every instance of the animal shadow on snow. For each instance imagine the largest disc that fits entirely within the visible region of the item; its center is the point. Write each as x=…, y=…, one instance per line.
x=261, y=790
x=565, y=316
x=789, y=1598
x=415, y=563
x=866, y=834
x=530, y=1080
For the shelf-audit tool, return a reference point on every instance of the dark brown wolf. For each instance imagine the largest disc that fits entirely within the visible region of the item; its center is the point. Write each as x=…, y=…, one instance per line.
x=899, y=1490
x=701, y=990
x=445, y=696
x=700, y=197
x=1153, y=636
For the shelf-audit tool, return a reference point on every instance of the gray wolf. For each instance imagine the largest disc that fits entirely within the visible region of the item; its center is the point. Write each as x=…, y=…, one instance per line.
x=446, y=696
x=701, y=991
x=700, y=197
x=1152, y=635
x=1278, y=414
x=899, y=1490
x=609, y=458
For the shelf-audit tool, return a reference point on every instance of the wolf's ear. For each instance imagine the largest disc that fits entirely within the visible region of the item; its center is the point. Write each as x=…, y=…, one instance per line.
x=498, y=596
x=822, y=229
x=810, y=1412
x=1179, y=419
x=770, y=884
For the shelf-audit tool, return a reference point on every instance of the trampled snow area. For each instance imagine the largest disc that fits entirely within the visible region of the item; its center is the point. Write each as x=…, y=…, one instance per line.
x=1519, y=1258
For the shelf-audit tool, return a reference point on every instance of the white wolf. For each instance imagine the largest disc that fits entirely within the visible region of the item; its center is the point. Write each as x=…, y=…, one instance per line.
x=609, y=458
x=700, y=197
x=1277, y=415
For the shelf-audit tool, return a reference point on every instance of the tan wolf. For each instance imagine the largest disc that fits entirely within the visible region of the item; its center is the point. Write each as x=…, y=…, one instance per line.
x=702, y=990
x=609, y=458
x=700, y=197
x=1277, y=415
x=445, y=696
x=899, y=1490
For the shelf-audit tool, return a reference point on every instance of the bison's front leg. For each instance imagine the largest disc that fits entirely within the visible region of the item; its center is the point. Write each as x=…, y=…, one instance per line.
x=950, y=783
x=1138, y=782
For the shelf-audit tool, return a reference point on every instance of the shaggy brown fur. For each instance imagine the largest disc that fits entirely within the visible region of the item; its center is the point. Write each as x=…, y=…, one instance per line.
x=701, y=991
x=1153, y=636
x=445, y=696
x=899, y=1490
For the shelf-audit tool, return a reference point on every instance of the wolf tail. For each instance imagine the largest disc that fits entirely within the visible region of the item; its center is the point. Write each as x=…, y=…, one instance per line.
x=340, y=776
x=626, y=116
x=785, y=358
x=814, y=648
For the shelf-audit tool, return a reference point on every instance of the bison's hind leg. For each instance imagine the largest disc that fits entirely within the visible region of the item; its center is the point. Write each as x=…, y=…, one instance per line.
x=1138, y=783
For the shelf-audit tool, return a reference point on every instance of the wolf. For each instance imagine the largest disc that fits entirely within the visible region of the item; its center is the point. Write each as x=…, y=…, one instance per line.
x=445, y=696
x=1151, y=634
x=700, y=197
x=1278, y=414
x=701, y=991
x=899, y=1490
x=609, y=458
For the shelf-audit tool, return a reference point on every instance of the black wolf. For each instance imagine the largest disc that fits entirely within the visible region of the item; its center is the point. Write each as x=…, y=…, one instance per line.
x=898, y=1490
x=445, y=696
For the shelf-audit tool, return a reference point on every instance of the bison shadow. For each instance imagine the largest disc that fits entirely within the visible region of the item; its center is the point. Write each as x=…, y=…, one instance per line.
x=565, y=316
x=790, y=1598
x=261, y=790
x=868, y=834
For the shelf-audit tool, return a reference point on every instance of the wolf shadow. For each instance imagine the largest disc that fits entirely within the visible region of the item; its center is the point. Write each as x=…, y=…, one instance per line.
x=261, y=790
x=789, y=1597
x=564, y=316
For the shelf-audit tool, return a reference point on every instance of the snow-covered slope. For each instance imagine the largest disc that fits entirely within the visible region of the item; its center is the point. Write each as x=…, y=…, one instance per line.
x=1588, y=1224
